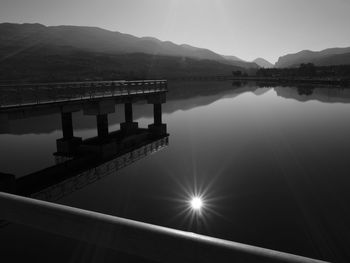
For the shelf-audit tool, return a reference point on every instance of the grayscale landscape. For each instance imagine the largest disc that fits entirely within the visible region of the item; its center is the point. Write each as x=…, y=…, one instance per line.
x=174, y=131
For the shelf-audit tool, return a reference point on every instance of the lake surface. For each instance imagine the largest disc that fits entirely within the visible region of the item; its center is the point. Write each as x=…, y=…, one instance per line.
x=272, y=165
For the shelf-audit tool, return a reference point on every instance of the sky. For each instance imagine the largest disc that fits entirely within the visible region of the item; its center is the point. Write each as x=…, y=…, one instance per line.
x=244, y=28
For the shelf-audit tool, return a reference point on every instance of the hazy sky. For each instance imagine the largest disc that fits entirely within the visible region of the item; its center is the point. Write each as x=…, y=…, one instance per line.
x=245, y=28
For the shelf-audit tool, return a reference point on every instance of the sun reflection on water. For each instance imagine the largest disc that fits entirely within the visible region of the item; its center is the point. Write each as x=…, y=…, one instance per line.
x=196, y=203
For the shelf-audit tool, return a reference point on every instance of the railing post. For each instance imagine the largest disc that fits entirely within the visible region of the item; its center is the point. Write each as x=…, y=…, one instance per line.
x=53, y=93
x=121, y=89
x=112, y=89
x=36, y=94
x=19, y=96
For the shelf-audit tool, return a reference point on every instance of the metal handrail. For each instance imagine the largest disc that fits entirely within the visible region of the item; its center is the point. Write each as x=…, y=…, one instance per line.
x=145, y=240
x=80, y=82
x=44, y=93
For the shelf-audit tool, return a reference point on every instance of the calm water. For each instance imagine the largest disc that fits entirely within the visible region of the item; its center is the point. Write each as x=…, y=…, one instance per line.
x=272, y=165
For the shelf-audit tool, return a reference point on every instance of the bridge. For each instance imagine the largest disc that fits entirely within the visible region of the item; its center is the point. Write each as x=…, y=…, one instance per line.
x=96, y=98
x=39, y=94
x=75, y=156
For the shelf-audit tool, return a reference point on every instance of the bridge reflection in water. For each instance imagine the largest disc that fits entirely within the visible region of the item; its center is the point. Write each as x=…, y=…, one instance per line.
x=78, y=173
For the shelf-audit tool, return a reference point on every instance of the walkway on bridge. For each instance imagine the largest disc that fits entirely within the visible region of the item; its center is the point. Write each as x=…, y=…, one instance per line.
x=21, y=95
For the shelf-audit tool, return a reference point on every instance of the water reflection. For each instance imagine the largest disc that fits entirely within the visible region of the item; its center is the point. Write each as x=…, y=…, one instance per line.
x=316, y=93
x=196, y=202
x=270, y=164
x=82, y=162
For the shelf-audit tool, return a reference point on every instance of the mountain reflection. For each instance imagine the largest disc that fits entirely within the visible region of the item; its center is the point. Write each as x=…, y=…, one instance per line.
x=321, y=94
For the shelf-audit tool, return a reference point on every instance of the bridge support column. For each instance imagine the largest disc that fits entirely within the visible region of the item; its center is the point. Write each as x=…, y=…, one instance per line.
x=103, y=145
x=100, y=109
x=67, y=125
x=157, y=113
x=68, y=144
x=157, y=128
x=129, y=125
x=102, y=125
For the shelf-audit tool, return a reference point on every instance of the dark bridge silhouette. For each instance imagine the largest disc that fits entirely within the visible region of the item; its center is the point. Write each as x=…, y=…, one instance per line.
x=94, y=98
x=80, y=162
x=39, y=94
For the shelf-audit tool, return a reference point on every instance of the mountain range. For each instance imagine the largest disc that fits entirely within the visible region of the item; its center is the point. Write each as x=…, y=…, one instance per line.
x=14, y=37
x=34, y=52
x=327, y=57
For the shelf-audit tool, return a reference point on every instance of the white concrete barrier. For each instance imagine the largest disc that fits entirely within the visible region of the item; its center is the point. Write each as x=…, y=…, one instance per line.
x=145, y=240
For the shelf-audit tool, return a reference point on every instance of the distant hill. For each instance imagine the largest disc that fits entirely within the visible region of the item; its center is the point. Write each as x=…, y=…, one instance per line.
x=332, y=60
x=14, y=38
x=263, y=63
x=327, y=57
x=42, y=63
x=233, y=58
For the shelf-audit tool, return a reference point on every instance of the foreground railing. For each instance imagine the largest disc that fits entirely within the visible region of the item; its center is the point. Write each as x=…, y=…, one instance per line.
x=145, y=240
x=43, y=93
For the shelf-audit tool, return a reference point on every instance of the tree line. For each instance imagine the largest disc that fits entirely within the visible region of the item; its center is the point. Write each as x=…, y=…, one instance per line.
x=307, y=70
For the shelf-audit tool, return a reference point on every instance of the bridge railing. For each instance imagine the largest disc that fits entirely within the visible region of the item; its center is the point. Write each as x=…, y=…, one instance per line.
x=144, y=240
x=44, y=93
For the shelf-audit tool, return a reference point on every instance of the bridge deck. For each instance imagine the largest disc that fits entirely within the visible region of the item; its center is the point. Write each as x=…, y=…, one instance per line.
x=16, y=96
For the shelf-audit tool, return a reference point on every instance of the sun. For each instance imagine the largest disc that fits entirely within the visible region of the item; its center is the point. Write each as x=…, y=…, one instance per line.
x=196, y=203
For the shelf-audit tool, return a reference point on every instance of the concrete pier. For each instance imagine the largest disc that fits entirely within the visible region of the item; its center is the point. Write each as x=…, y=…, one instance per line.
x=102, y=125
x=100, y=109
x=157, y=127
x=128, y=112
x=157, y=111
x=68, y=143
x=67, y=125
x=129, y=125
